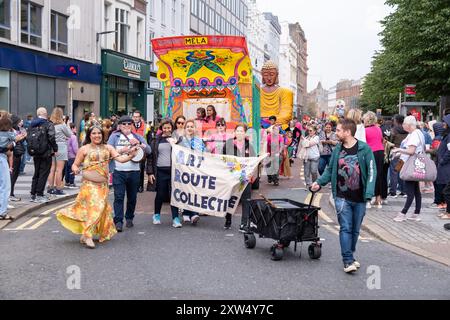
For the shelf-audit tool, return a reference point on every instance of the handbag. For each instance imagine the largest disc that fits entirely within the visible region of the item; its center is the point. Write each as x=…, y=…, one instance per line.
x=399, y=165
x=419, y=167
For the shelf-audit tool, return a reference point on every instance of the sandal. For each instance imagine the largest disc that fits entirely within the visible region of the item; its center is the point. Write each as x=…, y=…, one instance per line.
x=6, y=217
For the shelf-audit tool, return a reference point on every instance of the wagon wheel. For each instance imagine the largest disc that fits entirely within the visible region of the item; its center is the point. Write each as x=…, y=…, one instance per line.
x=277, y=254
x=315, y=251
x=249, y=240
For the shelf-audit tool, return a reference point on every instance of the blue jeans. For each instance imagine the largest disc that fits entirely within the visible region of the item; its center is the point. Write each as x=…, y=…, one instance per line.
x=70, y=177
x=323, y=162
x=125, y=182
x=5, y=184
x=350, y=216
x=394, y=178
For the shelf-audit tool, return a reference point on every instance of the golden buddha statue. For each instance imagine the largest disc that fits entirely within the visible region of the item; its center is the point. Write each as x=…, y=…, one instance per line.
x=275, y=100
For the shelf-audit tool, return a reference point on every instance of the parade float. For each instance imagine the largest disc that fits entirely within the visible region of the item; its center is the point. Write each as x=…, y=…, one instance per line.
x=197, y=71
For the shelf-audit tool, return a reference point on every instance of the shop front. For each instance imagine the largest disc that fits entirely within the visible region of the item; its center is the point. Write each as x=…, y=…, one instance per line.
x=30, y=79
x=124, y=84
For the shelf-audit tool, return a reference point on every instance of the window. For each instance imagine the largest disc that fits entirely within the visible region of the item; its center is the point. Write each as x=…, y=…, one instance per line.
x=163, y=12
x=31, y=23
x=174, y=12
x=152, y=8
x=139, y=36
x=5, y=25
x=59, y=32
x=122, y=30
x=182, y=18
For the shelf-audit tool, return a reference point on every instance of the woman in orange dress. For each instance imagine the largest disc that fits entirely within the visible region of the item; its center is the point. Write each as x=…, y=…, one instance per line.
x=92, y=215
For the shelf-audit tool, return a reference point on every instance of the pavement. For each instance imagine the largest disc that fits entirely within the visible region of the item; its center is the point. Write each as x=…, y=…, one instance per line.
x=426, y=238
x=22, y=190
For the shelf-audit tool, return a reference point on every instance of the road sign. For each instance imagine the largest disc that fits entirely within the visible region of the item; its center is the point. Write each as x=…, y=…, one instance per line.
x=410, y=90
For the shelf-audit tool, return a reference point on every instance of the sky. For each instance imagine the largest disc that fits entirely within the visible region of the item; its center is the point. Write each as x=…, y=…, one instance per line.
x=342, y=35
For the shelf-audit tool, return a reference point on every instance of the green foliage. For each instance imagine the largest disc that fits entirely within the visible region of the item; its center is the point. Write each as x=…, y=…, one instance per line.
x=416, y=50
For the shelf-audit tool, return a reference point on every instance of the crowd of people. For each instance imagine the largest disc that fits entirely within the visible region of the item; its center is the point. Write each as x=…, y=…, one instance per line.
x=360, y=154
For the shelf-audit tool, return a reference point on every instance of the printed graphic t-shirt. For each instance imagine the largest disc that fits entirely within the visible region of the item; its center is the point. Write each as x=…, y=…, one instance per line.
x=349, y=182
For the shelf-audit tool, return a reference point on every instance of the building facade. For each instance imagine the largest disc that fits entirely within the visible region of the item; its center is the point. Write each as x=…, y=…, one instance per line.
x=125, y=72
x=224, y=17
x=350, y=92
x=272, y=34
x=255, y=38
x=332, y=99
x=49, y=57
x=319, y=98
x=298, y=36
x=165, y=18
x=288, y=61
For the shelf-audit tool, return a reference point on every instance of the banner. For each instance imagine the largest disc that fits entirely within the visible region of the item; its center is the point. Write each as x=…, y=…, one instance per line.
x=207, y=183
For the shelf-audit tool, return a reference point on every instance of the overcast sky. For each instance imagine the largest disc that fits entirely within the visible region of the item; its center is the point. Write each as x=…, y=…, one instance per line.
x=342, y=35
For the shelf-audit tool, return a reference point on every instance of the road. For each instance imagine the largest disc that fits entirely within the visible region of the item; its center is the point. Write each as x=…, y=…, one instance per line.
x=41, y=260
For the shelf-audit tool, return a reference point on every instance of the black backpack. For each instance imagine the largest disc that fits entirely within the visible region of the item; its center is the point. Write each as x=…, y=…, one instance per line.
x=37, y=140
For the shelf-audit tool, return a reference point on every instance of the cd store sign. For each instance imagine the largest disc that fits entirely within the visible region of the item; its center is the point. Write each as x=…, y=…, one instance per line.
x=132, y=68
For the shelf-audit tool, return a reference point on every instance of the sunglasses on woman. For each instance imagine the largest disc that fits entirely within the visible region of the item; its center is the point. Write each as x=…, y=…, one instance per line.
x=221, y=124
x=180, y=123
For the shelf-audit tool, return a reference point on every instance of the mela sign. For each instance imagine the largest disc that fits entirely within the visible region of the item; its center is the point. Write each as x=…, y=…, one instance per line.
x=195, y=41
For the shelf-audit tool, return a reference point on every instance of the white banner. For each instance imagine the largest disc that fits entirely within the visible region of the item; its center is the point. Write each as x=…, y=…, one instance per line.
x=207, y=183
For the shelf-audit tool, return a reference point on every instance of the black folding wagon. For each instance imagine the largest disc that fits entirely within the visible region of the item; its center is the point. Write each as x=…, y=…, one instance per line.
x=286, y=221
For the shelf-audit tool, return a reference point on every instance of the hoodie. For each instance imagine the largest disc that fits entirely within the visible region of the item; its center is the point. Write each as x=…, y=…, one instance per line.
x=443, y=156
x=52, y=146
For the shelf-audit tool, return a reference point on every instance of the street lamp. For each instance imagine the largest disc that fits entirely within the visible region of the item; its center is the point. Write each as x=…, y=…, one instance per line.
x=104, y=32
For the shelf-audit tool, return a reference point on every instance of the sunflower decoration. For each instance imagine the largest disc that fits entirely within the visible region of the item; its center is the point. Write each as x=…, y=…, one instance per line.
x=238, y=170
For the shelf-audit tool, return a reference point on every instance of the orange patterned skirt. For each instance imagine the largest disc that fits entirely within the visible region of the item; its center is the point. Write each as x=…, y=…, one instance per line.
x=91, y=215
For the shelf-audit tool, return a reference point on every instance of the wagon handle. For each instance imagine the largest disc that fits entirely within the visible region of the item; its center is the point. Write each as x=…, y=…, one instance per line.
x=267, y=201
x=312, y=196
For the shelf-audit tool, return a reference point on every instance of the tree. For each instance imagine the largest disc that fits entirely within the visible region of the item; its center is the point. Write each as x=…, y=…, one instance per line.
x=416, y=51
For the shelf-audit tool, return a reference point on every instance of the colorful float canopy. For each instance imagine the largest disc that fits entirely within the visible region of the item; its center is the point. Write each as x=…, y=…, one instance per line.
x=202, y=61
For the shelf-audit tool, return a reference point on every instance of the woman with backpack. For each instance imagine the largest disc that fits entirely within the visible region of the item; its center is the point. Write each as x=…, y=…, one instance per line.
x=18, y=152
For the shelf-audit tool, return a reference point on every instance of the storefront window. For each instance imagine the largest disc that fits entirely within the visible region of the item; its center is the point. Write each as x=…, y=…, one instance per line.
x=4, y=90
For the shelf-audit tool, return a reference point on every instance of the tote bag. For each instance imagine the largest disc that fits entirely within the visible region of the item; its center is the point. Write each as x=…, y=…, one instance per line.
x=419, y=167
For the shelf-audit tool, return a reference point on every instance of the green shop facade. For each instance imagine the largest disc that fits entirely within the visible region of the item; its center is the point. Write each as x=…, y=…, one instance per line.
x=124, y=84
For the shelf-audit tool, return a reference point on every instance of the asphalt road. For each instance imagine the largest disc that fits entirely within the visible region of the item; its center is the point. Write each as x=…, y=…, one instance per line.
x=203, y=262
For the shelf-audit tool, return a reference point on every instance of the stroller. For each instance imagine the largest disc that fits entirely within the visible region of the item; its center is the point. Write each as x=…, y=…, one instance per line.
x=284, y=220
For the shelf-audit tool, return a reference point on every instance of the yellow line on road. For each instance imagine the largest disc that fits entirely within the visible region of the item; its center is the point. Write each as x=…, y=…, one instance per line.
x=23, y=225
x=56, y=208
x=37, y=225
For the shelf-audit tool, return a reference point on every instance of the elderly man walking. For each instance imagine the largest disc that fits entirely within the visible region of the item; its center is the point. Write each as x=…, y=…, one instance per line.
x=126, y=175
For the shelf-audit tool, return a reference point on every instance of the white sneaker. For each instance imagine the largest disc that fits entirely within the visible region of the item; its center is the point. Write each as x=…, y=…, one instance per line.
x=368, y=205
x=195, y=219
x=433, y=206
x=356, y=264
x=414, y=217
x=186, y=219
x=350, y=268
x=400, y=217
x=11, y=207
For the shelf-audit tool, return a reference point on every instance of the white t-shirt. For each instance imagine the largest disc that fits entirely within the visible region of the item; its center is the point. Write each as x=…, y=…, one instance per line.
x=360, y=132
x=415, y=139
x=130, y=165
